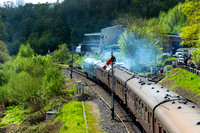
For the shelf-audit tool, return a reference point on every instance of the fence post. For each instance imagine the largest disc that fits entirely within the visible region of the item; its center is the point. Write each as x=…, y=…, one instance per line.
x=79, y=86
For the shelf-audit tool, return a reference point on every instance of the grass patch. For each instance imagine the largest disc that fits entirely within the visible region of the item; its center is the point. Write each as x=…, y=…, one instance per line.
x=14, y=115
x=71, y=88
x=92, y=120
x=72, y=117
x=178, y=79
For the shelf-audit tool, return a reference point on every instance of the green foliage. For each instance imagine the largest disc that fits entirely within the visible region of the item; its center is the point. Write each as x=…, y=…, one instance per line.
x=71, y=88
x=53, y=81
x=191, y=32
x=25, y=51
x=14, y=115
x=92, y=120
x=72, y=115
x=183, y=82
x=4, y=97
x=46, y=25
x=196, y=56
x=28, y=80
x=3, y=78
x=140, y=44
x=149, y=8
x=61, y=54
x=3, y=33
x=169, y=59
x=80, y=60
x=171, y=21
x=4, y=55
x=23, y=88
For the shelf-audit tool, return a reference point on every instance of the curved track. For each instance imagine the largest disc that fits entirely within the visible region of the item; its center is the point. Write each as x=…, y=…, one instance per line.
x=120, y=114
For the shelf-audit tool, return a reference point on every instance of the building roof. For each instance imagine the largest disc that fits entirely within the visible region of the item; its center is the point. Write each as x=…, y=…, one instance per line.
x=173, y=35
x=92, y=34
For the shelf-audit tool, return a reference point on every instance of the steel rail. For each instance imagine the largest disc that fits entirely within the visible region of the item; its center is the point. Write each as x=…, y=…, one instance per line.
x=82, y=74
x=109, y=107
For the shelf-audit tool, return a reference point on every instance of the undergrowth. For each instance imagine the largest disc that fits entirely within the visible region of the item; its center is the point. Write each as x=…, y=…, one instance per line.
x=14, y=115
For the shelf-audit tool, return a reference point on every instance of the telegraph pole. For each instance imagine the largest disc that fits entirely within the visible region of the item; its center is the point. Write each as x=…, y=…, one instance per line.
x=112, y=109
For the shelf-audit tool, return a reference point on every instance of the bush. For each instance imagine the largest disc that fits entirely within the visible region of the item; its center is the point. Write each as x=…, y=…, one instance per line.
x=23, y=88
x=53, y=81
x=4, y=55
x=3, y=77
x=25, y=51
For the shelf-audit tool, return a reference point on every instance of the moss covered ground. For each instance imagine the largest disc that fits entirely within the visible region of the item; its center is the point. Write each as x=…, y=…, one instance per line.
x=183, y=82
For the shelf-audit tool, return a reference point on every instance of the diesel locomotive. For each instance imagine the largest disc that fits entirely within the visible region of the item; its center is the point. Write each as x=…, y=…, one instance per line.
x=157, y=109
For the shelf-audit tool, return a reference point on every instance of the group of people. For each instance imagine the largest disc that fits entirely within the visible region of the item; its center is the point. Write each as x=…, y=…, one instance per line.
x=189, y=62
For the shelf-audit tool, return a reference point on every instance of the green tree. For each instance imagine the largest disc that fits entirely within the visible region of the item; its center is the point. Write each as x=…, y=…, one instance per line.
x=171, y=21
x=4, y=55
x=191, y=33
x=25, y=51
x=139, y=44
x=61, y=54
x=196, y=56
x=3, y=33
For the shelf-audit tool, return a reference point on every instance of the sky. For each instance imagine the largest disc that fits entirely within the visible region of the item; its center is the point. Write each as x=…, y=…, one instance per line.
x=30, y=1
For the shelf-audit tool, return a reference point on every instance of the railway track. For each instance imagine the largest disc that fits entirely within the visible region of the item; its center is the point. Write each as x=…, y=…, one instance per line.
x=120, y=114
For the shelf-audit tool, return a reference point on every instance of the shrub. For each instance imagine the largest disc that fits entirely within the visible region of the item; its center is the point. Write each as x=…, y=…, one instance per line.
x=3, y=77
x=23, y=88
x=53, y=81
x=25, y=51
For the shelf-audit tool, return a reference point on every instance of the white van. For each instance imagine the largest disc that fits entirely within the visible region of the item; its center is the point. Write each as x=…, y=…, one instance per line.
x=179, y=54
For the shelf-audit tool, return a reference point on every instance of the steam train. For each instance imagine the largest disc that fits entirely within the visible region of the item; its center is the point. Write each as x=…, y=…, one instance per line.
x=158, y=109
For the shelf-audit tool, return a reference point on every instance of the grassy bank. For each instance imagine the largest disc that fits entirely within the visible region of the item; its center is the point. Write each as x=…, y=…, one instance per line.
x=183, y=82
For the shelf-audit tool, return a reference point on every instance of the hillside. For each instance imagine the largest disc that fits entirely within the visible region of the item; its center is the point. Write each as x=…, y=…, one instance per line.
x=183, y=82
x=45, y=26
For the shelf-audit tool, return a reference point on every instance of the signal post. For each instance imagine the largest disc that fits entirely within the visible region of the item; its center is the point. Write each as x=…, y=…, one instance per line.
x=112, y=60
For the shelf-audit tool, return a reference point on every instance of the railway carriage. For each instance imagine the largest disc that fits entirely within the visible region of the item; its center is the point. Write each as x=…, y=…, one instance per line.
x=158, y=109
x=88, y=67
x=102, y=74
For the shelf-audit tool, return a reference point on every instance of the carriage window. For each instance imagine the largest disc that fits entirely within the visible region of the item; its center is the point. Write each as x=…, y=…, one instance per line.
x=150, y=119
x=121, y=87
x=139, y=107
x=146, y=114
x=133, y=97
x=160, y=129
x=142, y=110
x=130, y=95
x=136, y=103
x=164, y=131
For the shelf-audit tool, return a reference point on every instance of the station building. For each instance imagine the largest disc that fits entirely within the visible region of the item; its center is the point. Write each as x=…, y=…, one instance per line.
x=107, y=40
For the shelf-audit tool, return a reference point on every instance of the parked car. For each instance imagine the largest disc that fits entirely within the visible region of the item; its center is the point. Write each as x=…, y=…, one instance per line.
x=181, y=60
x=179, y=54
